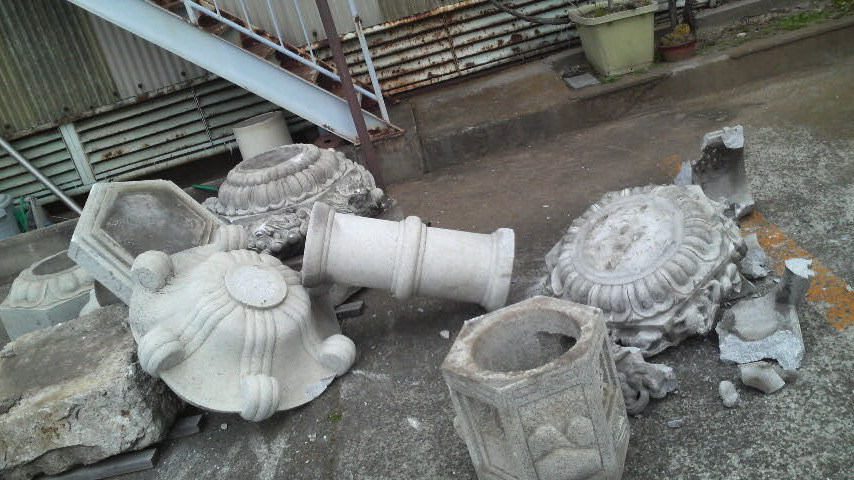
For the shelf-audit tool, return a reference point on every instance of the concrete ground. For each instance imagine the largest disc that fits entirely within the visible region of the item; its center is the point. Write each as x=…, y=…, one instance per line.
x=390, y=416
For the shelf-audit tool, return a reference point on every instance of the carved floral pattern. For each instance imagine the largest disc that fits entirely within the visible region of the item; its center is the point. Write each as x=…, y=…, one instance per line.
x=34, y=290
x=272, y=194
x=656, y=260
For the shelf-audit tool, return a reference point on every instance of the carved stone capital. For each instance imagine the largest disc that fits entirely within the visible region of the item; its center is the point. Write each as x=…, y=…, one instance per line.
x=656, y=260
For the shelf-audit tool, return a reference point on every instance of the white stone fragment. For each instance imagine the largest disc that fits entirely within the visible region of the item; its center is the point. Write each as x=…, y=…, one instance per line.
x=761, y=376
x=720, y=170
x=49, y=292
x=536, y=393
x=408, y=258
x=657, y=260
x=640, y=381
x=768, y=327
x=754, y=264
x=728, y=393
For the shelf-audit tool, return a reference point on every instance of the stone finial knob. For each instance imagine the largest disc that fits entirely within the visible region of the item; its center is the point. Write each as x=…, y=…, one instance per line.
x=151, y=269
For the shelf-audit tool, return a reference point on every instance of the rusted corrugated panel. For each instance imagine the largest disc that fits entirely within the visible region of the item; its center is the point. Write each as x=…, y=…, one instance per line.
x=169, y=130
x=50, y=64
x=47, y=152
x=457, y=40
x=137, y=65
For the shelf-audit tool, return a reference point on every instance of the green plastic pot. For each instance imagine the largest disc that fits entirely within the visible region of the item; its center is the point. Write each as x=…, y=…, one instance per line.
x=617, y=43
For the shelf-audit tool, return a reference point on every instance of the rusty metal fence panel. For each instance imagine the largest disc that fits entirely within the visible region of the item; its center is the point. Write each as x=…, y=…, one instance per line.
x=459, y=39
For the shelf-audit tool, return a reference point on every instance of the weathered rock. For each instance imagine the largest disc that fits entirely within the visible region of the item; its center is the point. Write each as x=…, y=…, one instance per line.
x=754, y=264
x=536, y=393
x=657, y=260
x=761, y=376
x=728, y=393
x=720, y=171
x=640, y=380
x=272, y=194
x=232, y=330
x=74, y=394
x=768, y=327
x=123, y=219
x=51, y=291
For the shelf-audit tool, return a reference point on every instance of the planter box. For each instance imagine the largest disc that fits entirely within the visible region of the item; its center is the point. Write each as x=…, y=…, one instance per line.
x=618, y=43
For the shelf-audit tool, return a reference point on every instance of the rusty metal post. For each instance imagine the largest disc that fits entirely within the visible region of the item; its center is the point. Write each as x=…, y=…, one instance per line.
x=368, y=151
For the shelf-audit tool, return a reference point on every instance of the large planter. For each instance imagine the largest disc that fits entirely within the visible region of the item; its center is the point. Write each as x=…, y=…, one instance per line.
x=616, y=43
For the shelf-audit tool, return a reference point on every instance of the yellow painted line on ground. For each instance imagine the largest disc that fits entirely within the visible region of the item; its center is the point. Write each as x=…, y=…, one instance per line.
x=829, y=293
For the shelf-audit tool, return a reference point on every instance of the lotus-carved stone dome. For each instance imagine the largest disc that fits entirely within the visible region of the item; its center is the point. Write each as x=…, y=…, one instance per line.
x=234, y=331
x=656, y=260
x=272, y=194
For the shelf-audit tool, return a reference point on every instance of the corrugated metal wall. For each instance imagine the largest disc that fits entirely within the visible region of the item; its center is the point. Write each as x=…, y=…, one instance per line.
x=372, y=12
x=50, y=64
x=137, y=65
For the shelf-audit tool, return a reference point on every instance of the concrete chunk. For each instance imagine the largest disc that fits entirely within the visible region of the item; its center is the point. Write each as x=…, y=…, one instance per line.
x=761, y=376
x=76, y=395
x=720, y=170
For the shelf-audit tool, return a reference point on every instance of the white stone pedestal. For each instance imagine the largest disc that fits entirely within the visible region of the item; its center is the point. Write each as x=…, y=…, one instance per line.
x=408, y=257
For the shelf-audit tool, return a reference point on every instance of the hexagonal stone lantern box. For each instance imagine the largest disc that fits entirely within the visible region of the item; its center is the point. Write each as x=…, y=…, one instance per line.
x=124, y=219
x=536, y=393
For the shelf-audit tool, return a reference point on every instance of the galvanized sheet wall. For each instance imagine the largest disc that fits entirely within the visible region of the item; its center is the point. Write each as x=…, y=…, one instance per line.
x=50, y=64
x=137, y=65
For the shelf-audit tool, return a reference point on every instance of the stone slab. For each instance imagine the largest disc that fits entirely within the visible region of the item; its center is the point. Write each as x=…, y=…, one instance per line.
x=74, y=394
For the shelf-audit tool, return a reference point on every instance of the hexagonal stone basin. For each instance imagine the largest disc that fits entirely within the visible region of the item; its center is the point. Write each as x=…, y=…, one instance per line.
x=525, y=342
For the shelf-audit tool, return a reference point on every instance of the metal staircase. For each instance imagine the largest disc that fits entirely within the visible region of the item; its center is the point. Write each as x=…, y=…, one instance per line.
x=231, y=47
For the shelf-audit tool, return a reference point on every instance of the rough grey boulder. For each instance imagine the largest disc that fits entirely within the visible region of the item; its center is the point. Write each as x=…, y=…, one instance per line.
x=74, y=394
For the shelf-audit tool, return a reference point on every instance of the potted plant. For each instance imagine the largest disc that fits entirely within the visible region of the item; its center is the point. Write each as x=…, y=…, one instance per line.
x=678, y=44
x=617, y=35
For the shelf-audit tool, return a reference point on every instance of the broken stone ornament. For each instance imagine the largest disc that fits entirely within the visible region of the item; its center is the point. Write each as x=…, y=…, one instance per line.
x=761, y=376
x=536, y=394
x=124, y=219
x=408, y=258
x=768, y=327
x=720, y=171
x=232, y=330
x=639, y=380
x=755, y=262
x=272, y=194
x=50, y=291
x=657, y=260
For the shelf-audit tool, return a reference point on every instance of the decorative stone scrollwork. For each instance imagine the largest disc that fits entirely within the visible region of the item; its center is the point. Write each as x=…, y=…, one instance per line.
x=272, y=194
x=639, y=380
x=234, y=330
x=656, y=260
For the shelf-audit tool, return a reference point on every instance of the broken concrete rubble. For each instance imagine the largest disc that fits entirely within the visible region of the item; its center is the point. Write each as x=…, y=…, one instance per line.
x=408, y=257
x=639, y=380
x=720, y=170
x=272, y=194
x=232, y=330
x=50, y=291
x=85, y=401
x=754, y=264
x=768, y=327
x=124, y=219
x=536, y=393
x=657, y=260
x=761, y=376
x=728, y=394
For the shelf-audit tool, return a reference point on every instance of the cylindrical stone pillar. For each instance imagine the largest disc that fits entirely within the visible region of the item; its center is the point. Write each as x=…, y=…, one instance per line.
x=261, y=133
x=408, y=257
